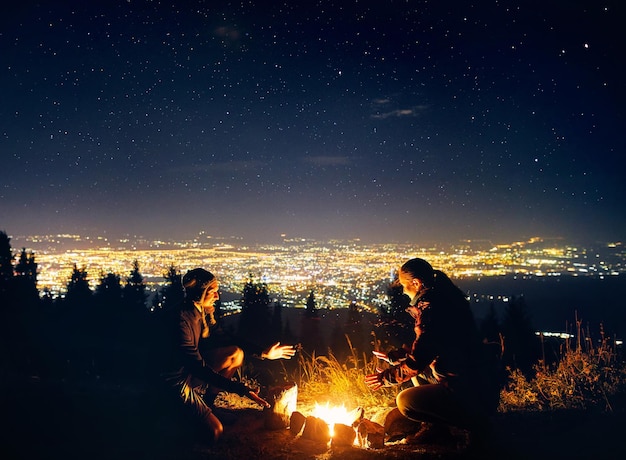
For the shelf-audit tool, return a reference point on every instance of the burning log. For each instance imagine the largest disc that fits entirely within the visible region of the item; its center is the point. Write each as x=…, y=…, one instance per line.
x=370, y=434
x=397, y=426
x=296, y=422
x=283, y=400
x=343, y=435
x=316, y=429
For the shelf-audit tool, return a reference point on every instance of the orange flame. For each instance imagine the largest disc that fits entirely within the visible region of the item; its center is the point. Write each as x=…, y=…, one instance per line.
x=335, y=414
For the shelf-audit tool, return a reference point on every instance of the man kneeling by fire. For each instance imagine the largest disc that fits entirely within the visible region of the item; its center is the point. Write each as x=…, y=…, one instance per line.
x=194, y=374
x=445, y=363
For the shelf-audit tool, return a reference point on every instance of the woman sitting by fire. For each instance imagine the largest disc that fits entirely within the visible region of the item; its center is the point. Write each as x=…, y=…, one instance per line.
x=444, y=362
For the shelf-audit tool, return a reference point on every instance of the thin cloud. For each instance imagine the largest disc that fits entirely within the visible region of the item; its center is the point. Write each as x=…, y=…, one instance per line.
x=400, y=113
x=328, y=160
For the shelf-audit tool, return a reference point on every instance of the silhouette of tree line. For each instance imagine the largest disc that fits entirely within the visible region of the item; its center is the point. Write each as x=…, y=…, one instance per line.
x=112, y=333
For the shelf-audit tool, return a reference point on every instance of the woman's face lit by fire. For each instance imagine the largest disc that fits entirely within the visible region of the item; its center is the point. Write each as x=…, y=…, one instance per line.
x=410, y=285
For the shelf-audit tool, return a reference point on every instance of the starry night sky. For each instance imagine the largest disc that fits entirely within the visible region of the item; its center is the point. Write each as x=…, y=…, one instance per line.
x=383, y=120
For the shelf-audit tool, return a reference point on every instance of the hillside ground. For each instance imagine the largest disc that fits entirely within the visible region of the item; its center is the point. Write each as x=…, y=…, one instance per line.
x=57, y=420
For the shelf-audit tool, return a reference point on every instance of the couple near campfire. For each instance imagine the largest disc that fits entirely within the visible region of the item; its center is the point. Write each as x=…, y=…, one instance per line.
x=445, y=362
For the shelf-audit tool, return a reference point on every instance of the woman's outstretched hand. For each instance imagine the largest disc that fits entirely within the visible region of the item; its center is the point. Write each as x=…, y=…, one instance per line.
x=394, y=357
x=278, y=351
x=374, y=381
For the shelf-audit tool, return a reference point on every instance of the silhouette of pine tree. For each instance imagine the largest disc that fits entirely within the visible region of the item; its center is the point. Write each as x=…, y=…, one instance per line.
x=19, y=309
x=254, y=321
x=7, y=301
x=25, y=280
x=311, y=336
x=394, y=328
x=46, y=300
x=78, y=291
x=135, y=331
x=109, y=314
x=6, y=268
x=75, y=332
x=311, y=305
x=173, y=292
x=134, y=292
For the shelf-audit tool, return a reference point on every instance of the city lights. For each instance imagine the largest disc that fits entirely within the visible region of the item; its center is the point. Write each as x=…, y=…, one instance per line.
x=340, y=272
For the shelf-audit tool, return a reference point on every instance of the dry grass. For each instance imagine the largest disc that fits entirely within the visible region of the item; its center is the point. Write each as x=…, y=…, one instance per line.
x=324, y=379
x=586, y=376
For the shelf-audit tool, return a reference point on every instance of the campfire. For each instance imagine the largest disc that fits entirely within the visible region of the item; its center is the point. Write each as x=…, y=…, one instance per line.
x=336, y=415
x=326, y=423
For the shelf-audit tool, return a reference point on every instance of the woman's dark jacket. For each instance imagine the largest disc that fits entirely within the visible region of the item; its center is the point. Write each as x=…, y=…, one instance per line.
x=446, y=345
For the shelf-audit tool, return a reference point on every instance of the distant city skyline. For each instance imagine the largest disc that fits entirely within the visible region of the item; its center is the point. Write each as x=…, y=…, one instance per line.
x=384, y=121
x=307, y=262
x=555, y=277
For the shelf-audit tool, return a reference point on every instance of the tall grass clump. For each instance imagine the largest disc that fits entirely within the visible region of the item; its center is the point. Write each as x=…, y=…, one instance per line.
x=586, y=375
x=324, y=378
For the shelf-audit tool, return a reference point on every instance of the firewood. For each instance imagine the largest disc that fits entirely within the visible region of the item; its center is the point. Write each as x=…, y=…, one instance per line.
x=344, y=435
x=283, y=400
x=296, y=423
x=316, y=429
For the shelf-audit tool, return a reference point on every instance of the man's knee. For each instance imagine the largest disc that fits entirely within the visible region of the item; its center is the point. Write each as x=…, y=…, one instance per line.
x=213, y=427
x=218, y=429
x=237, y=357
x=226, y=359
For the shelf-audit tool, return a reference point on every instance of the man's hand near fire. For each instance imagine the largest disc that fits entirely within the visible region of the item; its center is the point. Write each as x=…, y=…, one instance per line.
x=278, y=351
x=254, y=396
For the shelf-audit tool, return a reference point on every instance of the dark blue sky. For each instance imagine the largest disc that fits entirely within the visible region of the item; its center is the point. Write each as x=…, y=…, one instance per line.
x=389, y=120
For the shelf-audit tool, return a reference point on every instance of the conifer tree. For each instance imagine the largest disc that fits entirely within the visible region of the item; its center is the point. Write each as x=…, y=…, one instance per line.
x=78, y=291
x=26, y=282
x=108, y=292
x=312, y=340
x=398, y=302
x=134, y=324
x=395, y=327
x=107, y=317
x=134, y=292
x=6, y=266
x=19, y=308
x=173, y=292
x=27, y=266
x=311, y=305
x=254, y=321
x=76, y=331
x=108, y=305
